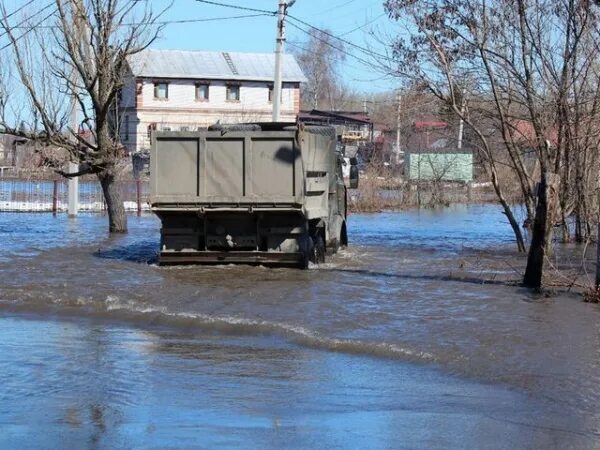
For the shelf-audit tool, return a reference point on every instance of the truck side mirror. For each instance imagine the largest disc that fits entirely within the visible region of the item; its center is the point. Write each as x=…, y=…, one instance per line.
x=353, y=176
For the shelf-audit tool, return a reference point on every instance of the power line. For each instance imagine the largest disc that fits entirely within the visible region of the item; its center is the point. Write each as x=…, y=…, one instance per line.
x=243, y=8
x=207, y=19
x=337, y=6
x=20, y=24
x=28, y=31
x=364, y=25
x=19, y=9
x=345, y=41
x=351, y=44
x=346, y=64
x=327, y=42
x=167, y=22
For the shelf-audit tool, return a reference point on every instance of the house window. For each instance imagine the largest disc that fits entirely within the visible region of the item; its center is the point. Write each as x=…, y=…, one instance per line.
x=161, y=91
x=233, y=93
x=202, y=92
x=184, y=128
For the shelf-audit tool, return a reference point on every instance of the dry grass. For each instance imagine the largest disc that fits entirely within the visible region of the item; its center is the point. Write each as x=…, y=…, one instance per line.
x=381, y=190
x=592, y=295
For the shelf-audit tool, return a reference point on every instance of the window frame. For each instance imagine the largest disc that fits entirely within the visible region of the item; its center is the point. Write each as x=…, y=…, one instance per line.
x=197, y=86
x=228, y=88
x=156, y=90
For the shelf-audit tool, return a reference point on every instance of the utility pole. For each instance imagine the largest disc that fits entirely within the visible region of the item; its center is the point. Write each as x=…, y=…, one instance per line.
x=397, y=149
x=461, y=124
x=73, y=167
x=73, y=192
x=280, y=41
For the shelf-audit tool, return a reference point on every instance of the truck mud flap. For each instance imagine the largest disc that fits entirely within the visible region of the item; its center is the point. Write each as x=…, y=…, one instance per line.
x=249, y=257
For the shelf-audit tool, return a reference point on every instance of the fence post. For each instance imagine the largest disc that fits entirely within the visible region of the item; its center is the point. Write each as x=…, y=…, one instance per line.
x=138, y=188
x=55, y=197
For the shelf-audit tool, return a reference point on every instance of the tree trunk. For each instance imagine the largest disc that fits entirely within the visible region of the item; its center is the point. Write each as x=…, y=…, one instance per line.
x=598, y=258
x=508, y=211
x=566, y=232
x=542, y=230
x=117, y=219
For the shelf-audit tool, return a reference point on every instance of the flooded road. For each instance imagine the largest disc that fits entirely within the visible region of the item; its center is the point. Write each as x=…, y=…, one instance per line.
x=415, y=336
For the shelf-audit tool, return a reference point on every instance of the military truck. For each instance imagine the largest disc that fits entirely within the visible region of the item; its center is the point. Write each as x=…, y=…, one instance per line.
x=261, y=193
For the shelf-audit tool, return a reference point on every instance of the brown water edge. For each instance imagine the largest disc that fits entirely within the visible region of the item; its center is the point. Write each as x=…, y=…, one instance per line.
x=376, y=193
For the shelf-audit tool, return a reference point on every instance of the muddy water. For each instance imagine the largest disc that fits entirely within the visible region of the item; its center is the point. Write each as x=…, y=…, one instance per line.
x=415, y=336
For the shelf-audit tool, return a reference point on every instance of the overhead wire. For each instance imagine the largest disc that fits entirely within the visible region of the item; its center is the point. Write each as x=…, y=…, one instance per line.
x=365, y=50
x=355, y=67
x=170, y=22
x=337, y=6
x=363, y=25
x=363, y=61
x=244, y=8
x=25, y=33
x=19, y=25
x=21, y=8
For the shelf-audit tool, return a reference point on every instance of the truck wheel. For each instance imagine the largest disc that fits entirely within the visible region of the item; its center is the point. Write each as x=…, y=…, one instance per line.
x=318, y=252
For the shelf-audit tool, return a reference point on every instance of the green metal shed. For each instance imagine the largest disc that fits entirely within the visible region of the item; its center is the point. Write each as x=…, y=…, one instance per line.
x=439, y=165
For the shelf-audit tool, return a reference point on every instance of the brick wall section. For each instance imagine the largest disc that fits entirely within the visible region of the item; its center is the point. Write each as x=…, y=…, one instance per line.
x=296, y=99
x=181, y=110
x=139, y=93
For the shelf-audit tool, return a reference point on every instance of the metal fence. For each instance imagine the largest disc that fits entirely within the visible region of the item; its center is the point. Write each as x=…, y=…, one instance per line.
x=52, y=195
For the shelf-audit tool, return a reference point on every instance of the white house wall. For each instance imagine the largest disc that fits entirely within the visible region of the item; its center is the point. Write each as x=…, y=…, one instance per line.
x=182, y=110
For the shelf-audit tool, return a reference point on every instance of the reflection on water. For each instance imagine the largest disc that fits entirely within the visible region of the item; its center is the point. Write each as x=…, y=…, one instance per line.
x=131, y=354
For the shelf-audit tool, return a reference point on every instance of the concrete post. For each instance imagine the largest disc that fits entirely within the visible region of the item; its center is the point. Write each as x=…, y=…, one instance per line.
x=398, y=125
x=73, y=191
x=278, y=60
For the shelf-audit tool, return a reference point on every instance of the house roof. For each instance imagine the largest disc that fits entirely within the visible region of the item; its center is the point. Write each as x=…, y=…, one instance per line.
x=335, y=116
x=201, y=64
x=429, y=124
x=524, y=133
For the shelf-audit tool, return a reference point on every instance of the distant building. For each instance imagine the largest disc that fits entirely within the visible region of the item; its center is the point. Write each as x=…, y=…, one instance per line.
x=189, y=90
x=439, y=165
x=351, y=126
x=10, y=154
x=354, y=131
x=432, y=154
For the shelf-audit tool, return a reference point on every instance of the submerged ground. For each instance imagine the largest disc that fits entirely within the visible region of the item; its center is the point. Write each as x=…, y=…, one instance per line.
x=395, y=343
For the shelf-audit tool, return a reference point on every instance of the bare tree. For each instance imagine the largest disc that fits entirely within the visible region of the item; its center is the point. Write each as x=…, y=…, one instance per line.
x=518, y=62
x=77, y=54
x=320, y=58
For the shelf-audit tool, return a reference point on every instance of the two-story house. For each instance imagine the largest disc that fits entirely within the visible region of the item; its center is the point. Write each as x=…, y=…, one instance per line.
x=190, y=90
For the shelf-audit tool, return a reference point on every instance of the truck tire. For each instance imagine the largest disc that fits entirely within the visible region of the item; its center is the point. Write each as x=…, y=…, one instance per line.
x=318, y=252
